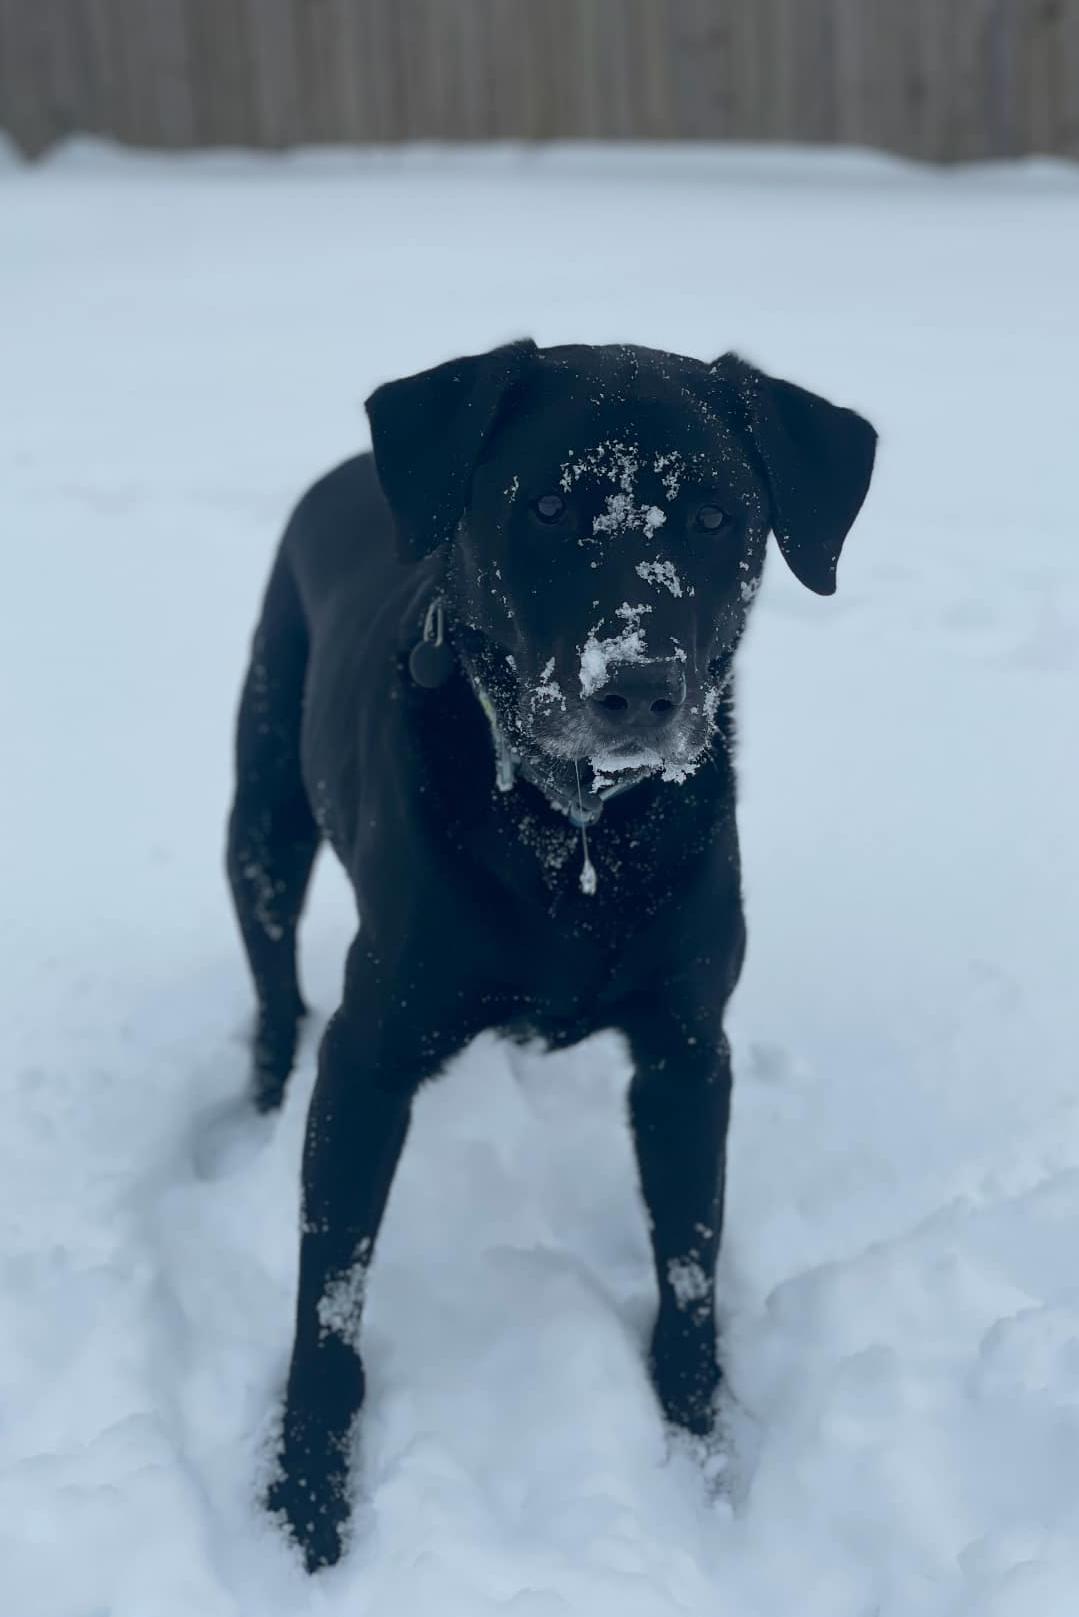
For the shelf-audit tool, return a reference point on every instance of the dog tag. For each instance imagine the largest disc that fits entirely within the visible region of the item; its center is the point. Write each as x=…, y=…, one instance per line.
x=430, y=663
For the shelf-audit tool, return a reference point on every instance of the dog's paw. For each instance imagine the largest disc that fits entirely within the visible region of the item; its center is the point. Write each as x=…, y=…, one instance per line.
x=313, y=1509
x=308, y=1489
x=273, y=1050
x=691, y=1409
x=268, y=1087
x=685, y=1373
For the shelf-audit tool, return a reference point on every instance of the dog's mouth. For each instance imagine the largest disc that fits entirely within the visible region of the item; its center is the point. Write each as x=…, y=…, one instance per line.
x=570, y=736
x=566, y=746
x=623, y=765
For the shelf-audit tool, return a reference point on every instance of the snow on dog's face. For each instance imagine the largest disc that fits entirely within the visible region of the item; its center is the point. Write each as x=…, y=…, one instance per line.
x=611, y=547
x=605, y=513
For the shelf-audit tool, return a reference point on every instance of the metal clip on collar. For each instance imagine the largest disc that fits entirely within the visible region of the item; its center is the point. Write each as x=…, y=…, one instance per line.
x=430, y=662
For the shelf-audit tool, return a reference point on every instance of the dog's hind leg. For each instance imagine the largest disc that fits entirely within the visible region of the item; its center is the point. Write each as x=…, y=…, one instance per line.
x=272, y=835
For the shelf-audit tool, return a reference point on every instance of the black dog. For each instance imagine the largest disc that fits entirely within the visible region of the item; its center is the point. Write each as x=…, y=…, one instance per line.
x=547, y=651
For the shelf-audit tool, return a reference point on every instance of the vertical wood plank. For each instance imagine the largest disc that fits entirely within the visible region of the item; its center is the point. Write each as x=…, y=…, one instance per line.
x=58, y=70
x=814, y=57
x=1043, y=95
x=273, y=58
x=495, y=48
x=25, y=114
x=971, y=85
x=1066, y=125
x=108, y=68
x=340, y=17
x=321, y=72
x=223, y=78
x=785, y=70
x=917, y=102
x=168, y=79
x=657, y=80
x=375, y=91
x=938, y=52
x=746, y=79
x=701, y=47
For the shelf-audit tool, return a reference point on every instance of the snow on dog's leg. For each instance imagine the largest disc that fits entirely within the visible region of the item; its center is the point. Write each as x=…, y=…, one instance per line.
x=375, y=1054
x=679, y=1109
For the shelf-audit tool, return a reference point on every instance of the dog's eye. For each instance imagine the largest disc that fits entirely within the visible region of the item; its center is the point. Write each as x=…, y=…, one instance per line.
x=710, y=518
x=549, y=507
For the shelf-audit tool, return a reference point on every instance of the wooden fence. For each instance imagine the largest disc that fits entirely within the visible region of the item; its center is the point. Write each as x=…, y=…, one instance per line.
x=940, y=79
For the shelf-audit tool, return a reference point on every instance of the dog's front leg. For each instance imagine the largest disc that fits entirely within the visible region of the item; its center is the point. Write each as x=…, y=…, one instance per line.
x=679, y=1110
x=373, y=1058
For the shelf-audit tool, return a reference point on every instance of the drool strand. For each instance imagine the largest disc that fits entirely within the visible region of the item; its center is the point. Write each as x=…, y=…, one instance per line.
x=588, y=869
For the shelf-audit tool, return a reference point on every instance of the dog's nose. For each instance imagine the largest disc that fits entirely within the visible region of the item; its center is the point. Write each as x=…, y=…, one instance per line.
x=641, y=695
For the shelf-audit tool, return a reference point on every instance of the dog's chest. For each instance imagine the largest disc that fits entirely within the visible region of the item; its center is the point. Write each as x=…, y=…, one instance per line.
x=565, y=942
x=605, y=874
x=553, y=847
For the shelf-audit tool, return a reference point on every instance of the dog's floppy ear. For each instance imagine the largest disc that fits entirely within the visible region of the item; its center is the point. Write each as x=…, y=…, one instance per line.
x=817, y=458
x=427, y=431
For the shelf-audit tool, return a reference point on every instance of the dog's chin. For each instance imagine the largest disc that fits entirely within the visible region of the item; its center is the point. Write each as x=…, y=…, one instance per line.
x=604, y=761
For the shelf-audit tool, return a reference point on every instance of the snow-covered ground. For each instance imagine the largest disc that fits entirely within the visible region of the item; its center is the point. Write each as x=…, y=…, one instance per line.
x=187, y=342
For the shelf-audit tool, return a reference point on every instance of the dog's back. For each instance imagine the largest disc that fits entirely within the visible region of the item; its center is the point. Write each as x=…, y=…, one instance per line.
x=340, y=541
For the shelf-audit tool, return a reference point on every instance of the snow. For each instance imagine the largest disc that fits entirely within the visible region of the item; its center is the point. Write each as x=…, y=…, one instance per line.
x=672, y=468
x=187, y=343
x=606, y=765
x=547, y=692
x=340, y=1307
x=622, y=513
x=688, y=1281
x=599, y=653
x=618, y=463
x=661, y=573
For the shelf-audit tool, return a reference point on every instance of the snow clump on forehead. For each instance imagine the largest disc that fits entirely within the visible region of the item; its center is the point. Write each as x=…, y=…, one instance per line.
x=623, y=512
x=614, y=461
x=672, y=468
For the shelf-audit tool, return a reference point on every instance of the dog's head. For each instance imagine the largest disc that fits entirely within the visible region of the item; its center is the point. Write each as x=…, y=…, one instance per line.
x=605, y=512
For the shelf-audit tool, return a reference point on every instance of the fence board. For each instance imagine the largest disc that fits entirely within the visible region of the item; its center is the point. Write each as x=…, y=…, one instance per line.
x=59, y=64
x=944, y=79
x=376, y=89
x=1066, y=133
x=273, y=74
x=24, y=110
